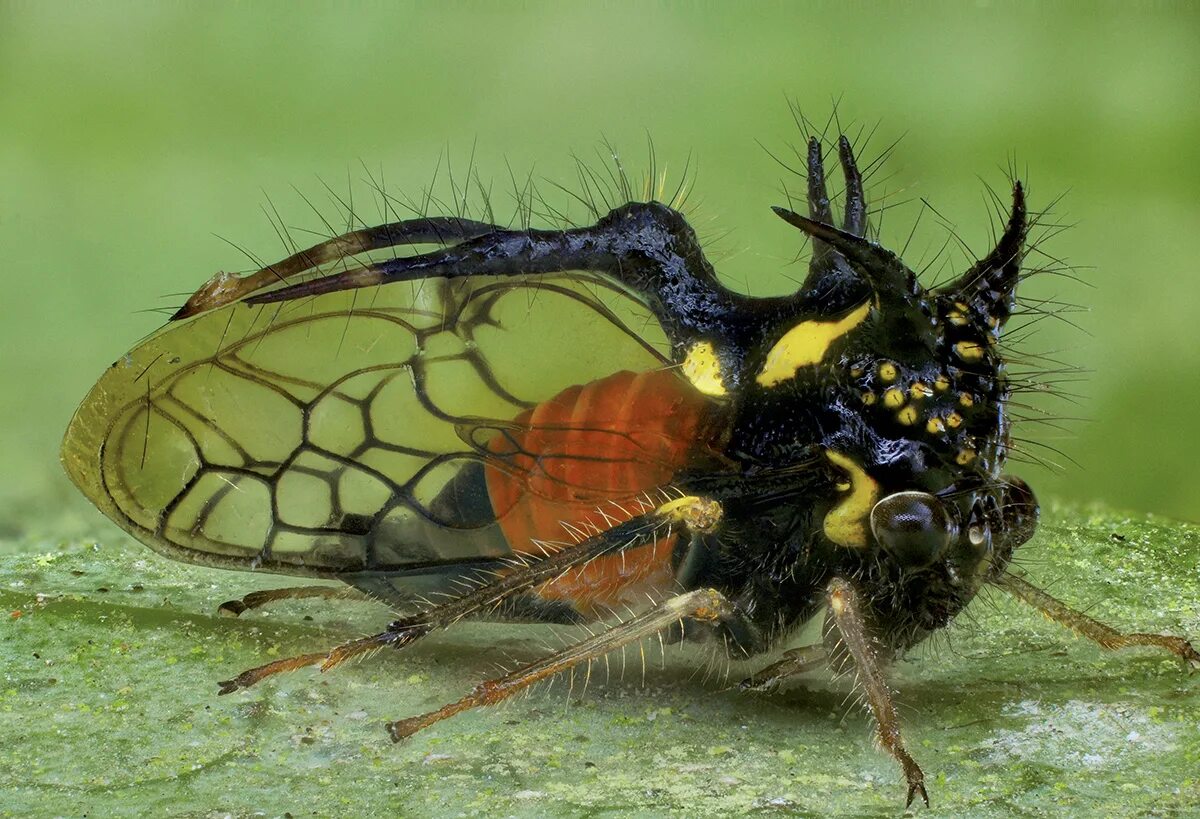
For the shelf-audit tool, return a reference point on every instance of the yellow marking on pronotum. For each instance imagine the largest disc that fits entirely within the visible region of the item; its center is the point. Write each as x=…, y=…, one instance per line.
x=969, y=350
x=703, y=369
x=846, y=523
x=700, y=514
x=806, y=344
x=893, y=398
x=907, y=416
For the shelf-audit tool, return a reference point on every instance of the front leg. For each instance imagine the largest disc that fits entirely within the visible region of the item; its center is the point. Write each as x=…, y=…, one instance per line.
x=846, y=612
x=1103, y=635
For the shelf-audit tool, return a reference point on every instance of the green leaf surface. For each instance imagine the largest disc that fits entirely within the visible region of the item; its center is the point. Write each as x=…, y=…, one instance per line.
x=111, y=655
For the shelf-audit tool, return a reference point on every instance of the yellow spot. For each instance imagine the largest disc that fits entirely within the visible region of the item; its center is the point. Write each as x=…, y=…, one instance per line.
x=919, y=390
x=993, y=322
x=806, y=344
x=846, y=524
x=855, y=372
x=907, y=416
x=954, y=420
x=699, y=514
x=966, y=400
x=956, y=318
x=964, y=457
x=969, y=350
x=837, y=603
x=703, y=369
x=962, y=305
x=868, y=398
x=893, y=398
x=942, y=383
x=887, y=372
x=935, y=426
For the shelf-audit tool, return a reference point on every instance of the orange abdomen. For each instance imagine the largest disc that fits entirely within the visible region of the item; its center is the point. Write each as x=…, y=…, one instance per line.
x=602, y=444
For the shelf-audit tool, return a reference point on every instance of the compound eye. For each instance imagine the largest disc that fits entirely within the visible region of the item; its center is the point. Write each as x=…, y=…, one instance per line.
x=1019, y=509
x=914, y=527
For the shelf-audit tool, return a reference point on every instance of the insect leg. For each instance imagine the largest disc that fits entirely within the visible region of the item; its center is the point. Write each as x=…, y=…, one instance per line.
x=1106, y=636
x=846, y=613
x=432, y=230
x=794, y=662
x=693, y=512
x=257, y=599
x=704, y=605
x=698, y=514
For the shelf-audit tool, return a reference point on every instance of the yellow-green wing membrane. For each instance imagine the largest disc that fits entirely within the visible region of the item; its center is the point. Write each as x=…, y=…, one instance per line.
x=315, y=436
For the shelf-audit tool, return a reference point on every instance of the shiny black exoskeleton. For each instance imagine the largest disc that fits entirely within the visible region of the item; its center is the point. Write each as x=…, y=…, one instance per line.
x=863, y=429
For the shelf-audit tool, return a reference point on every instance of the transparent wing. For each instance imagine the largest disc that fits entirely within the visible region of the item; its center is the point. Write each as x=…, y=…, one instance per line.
x=323, y=436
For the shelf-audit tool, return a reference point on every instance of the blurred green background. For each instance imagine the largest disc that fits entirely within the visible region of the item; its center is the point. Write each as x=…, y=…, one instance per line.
x=135, y=134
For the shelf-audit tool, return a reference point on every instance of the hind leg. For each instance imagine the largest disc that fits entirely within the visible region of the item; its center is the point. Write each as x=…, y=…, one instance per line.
x=258, y=599
x=795, y=661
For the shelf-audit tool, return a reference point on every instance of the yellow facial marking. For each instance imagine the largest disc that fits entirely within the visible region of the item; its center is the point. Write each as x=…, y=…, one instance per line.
x=703, y=369
x=935, y=426
x=907, y=416
x=868, y=398
x=893, y=398
x=969, y=350
x=887, y=372
x=806, y=344
x=964, y=457
x=954, y=420
x=966, y=400
x=919, y=390
x=846, y=524
x=942, y=383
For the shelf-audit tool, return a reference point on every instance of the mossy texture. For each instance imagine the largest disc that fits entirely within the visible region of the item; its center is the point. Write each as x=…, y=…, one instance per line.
x=111, y=655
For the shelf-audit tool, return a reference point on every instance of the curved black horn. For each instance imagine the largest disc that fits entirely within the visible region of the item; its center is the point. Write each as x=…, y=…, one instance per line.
x=989, y=287
x=882, y=268
x=842, y=259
